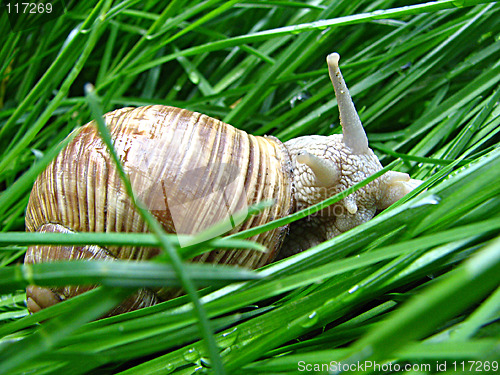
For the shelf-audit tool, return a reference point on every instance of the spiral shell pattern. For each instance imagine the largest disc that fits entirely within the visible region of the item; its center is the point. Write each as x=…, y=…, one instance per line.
x=190, y=170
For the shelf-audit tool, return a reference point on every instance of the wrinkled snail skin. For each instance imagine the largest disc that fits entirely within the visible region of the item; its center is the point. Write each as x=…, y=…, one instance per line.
x=190, y=170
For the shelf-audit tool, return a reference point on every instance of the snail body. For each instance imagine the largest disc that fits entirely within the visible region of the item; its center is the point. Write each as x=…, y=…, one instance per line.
x=192, y=171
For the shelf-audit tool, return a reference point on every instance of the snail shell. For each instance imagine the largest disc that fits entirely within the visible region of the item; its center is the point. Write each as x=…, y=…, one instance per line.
x=188, y=169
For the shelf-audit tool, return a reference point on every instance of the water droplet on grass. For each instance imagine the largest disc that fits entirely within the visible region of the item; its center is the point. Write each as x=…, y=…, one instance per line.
x=353, y=289
x=431, y=199
x=193, y=77
x=192, y=355
x=311, y=320
x=169, y=368
x=228, y=338
x=299, y=98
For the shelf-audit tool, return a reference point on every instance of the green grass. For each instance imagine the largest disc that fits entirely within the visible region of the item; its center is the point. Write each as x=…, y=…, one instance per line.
x=416, y=285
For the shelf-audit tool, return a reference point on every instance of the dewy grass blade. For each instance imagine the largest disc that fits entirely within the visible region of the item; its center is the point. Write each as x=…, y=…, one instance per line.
x=330, y=360
x=485, y=81
x=55, y=102
x=460, y=289
x=92, y=305
x=156, y=228
x=160, y=25
x=124, y=239
x=316, y=274
x=122, y=273
x=489, y=309
x=317, y=25
x=426, y=63
x=56, y=65
x=457, y=146
x=205, y=18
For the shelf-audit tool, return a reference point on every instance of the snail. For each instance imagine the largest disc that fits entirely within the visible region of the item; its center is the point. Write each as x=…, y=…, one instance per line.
x=192, y=171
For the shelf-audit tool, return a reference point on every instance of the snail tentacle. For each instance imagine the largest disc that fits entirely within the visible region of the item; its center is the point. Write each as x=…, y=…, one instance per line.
x=325, y=172
x=354, y=134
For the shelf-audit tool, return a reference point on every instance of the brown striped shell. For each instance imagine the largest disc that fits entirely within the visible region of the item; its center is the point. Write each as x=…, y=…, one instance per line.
x=190, y=170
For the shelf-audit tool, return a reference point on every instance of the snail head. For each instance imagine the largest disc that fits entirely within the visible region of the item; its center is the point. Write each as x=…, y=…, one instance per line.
x=326, y=165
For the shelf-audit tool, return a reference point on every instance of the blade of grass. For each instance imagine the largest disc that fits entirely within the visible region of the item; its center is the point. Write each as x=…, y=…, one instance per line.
x=466, y=285
x=317, y=25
